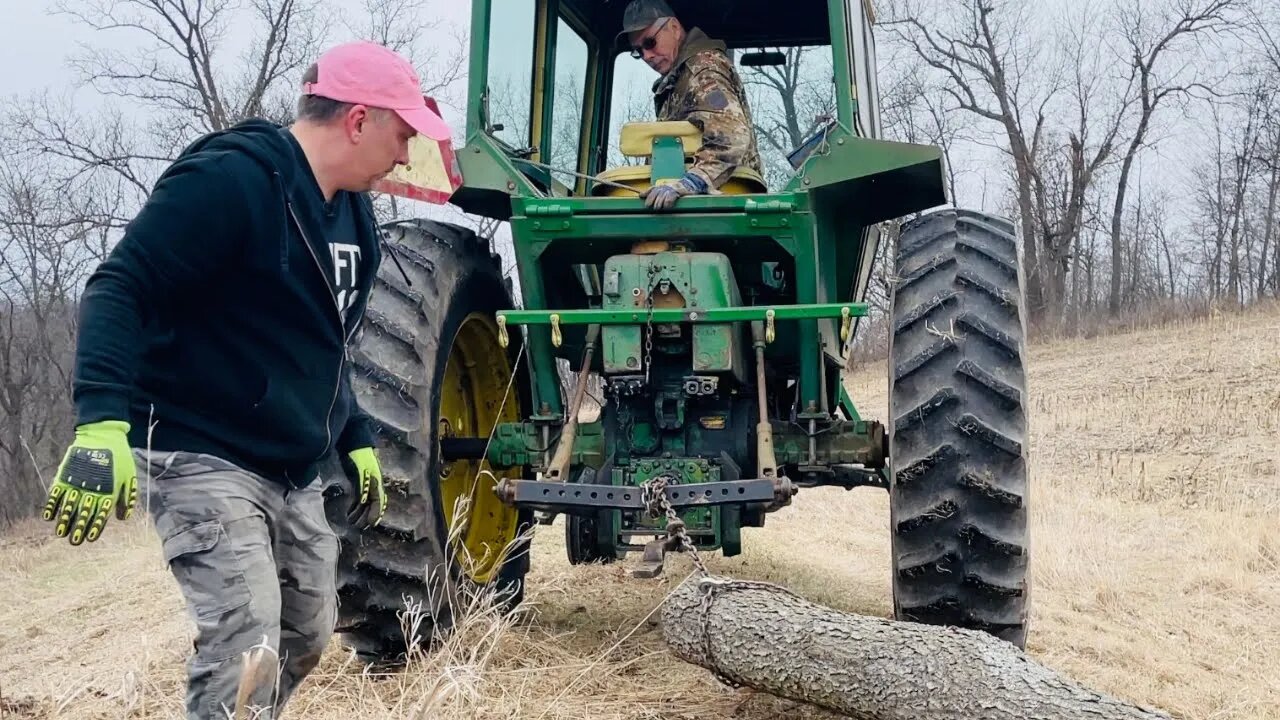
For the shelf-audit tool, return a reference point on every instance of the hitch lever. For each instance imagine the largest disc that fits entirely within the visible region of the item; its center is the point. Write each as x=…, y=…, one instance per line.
x=655, y=551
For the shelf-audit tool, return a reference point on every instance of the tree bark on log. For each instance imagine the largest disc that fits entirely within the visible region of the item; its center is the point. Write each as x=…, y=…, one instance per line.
x=765, y=637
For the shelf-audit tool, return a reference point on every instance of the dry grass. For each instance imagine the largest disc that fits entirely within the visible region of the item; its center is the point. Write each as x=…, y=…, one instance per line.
x=1156, y=570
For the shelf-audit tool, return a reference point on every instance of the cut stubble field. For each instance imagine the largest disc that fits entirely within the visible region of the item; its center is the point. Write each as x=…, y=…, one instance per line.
x=1155, y=570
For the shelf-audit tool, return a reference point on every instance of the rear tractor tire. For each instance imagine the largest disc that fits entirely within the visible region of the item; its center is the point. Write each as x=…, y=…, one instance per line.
x=427, y=365
x=581, y=544
x=958, y=437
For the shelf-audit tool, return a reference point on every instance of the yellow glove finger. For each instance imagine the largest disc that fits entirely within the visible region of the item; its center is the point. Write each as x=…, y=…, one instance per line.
x=56, y=494
x=88, y=506
x=99, y=519
x=126, y=499
x=366, y=479
x=381, y=492
x=70, y=503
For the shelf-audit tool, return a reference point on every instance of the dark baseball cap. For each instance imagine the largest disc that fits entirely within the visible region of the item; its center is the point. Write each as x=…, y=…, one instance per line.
x=640, y=14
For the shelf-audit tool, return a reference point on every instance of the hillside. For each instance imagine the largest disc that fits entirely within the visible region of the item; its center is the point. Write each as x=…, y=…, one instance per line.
x=1156, y=556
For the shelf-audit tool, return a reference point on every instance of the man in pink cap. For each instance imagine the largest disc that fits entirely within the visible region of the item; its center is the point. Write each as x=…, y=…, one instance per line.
x=212, y=352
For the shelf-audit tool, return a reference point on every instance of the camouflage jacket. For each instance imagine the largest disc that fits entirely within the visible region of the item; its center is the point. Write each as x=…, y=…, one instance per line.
x=704, y=88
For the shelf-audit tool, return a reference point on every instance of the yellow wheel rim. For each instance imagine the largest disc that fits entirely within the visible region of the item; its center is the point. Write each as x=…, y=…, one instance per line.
x=477, y=377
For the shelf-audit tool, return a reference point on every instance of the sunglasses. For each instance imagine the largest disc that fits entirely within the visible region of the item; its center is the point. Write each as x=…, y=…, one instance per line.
x=649, y=43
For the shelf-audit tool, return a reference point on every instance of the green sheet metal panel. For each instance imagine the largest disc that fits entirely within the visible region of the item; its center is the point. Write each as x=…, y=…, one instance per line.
x=673, y=281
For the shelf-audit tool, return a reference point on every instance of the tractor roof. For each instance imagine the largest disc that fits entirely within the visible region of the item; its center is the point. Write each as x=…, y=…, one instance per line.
x=739, y=23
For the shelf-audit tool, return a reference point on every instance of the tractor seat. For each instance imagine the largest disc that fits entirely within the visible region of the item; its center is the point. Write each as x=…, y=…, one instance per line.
x=637, y=141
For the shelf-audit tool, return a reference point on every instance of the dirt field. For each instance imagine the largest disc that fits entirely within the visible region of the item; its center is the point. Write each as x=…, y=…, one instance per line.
x=1156, y=554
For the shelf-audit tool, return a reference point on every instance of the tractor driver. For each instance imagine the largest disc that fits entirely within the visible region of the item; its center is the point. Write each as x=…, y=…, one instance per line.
x=699, y=84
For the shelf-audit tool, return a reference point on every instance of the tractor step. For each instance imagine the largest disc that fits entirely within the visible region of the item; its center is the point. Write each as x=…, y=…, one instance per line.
x=559, y=497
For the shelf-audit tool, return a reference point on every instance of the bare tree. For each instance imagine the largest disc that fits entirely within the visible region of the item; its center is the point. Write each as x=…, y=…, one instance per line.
x=914, y=108
x=180, y=78
x=1063, y=184
x=1153, y=41
x=1264, y=21
x=1153, y=274
x=566, y=124
x=1269, y=158
x=1222, y=188
x=995, y=68
x=403, y=25
x=1266, y=31
x=180, y=63
x=50, y=237
x=1242, y=166
x=85, y=148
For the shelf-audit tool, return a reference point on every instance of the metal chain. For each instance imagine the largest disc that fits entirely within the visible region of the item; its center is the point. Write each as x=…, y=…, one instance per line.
x=656, y=502
x=654, y=496
x=648, y=325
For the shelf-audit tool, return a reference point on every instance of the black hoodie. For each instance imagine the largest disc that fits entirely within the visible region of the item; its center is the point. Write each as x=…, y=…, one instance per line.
x=213, y=326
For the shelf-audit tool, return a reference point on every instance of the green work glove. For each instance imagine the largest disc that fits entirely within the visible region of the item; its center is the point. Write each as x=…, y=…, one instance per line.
x=373, y=496
x=97, y=475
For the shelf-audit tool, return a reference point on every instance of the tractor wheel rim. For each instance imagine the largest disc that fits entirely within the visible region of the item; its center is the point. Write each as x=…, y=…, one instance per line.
x=480, y=527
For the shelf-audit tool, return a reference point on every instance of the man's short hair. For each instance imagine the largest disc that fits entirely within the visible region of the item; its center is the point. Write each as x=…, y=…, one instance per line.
x=316, y=108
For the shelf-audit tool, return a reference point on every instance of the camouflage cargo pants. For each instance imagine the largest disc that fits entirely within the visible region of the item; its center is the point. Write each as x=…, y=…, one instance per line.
x=255, y=562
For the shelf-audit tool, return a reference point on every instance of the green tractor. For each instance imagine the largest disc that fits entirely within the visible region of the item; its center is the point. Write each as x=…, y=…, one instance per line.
x=717, y=332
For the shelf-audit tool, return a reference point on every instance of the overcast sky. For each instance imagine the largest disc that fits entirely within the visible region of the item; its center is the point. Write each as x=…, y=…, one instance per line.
x=36, y=40
x=35, y=45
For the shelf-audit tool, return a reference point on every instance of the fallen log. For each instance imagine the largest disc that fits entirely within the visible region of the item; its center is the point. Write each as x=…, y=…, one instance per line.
x=762, y=636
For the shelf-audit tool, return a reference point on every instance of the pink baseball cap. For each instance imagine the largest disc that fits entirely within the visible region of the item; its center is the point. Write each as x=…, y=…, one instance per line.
x=366, y=73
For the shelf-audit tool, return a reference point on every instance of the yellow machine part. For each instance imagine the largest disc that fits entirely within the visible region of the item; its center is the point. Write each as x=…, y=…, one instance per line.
x=743, y=181
x=477, y=376
x=636, y=140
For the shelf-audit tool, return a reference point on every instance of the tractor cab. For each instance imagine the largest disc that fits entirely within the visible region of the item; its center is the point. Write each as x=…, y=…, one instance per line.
x=561, y=139
x=558, y=103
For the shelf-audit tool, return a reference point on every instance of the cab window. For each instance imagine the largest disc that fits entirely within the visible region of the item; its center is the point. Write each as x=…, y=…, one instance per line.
x=570, y=95
x=630, y=101
x=790, y=102
x=790, y=91
x=511, y=64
